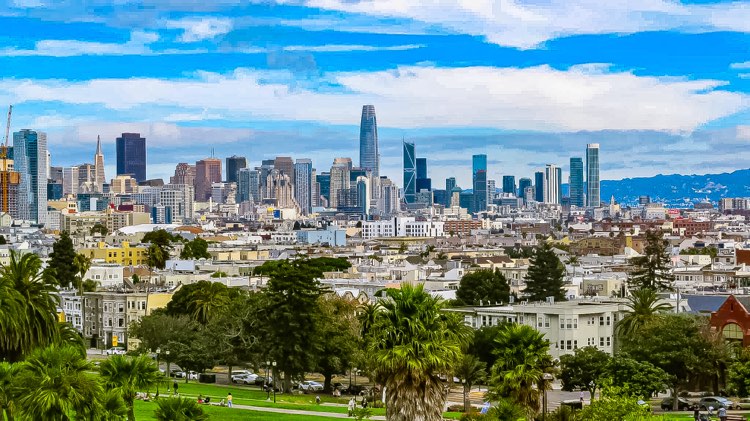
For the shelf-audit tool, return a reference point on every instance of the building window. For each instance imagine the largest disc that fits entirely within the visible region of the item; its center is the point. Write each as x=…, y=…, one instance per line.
x=121, y=322
x=608, y=321
x=601, y=341
x=546, y=321
x=575, y=344
x=539, y=321
x=570, y=344
x=575, y=323
x=609, y=341
x=601, y=320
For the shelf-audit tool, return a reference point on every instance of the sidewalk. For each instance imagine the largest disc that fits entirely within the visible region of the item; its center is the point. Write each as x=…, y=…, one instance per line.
x=299, y=412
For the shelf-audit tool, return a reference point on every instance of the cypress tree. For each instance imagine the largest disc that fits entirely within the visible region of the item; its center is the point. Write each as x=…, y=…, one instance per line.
x=545, y=277
x=61, y=259
x=653, y=269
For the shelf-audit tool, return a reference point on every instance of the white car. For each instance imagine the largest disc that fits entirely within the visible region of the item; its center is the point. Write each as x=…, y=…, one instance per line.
x=244, y=378
x=311, y=386
x=117, y=350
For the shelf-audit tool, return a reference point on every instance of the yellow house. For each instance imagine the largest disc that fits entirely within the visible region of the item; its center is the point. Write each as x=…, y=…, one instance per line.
x=125, y=255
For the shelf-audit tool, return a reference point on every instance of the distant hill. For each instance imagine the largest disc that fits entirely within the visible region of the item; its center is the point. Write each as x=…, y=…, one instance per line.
x=678, y=189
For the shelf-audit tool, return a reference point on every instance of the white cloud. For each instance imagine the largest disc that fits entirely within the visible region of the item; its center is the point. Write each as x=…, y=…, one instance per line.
x=337, y=48
x=529, y=24
x=137, y=45
x=740, y=66
x=200, y=28
x=537, y=98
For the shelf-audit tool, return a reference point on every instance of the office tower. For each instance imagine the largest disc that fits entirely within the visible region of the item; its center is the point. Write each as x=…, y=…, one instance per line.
x=593, y=198
x=576, y=182
x=285, y=164
x=279, y=188
x=54, y=191
x=509, y=184
x=131, y=155
x=369, y=157
x=478, y=162
x=480, y=191
x=410, y=173
x=315, y=201
x=491, y=191
x=99, y=176
x=55, y=174
x=207, y=172
x=184, y=173
x=340, y=180
x=70, y=180
x=234, y=165
x=450, y=183
x=179, y=198
x=357, y=172
x=388, y=197
x=224, y=193
x=423, y=183
x=123, y=184
x=522, y=184
x=30, y=161
x=248, y=185
x=551, y=184
x=87, y=177
x=303, y=183
x=559, y=186
x=324, y=183
x=539, y=186
x=363, y=195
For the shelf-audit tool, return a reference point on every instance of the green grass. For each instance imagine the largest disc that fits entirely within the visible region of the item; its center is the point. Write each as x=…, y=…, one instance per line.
x=145, y=411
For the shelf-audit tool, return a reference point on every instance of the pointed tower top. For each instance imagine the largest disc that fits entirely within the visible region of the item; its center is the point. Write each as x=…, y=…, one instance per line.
x=98, y=145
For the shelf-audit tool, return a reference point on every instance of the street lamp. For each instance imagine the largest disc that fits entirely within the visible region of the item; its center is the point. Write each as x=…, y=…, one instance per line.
x=167, y=373
x=158, y=351
x=273, y=372
x=546, y=377
x=268, y=382
x=355, y=375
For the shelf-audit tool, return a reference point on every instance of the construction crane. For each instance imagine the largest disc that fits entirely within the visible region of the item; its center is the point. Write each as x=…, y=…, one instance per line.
x=5, y=172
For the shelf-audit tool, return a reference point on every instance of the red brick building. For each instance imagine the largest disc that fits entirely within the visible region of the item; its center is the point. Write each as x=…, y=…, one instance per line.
x=732, y=319
x=692, y=227
x=461, y=226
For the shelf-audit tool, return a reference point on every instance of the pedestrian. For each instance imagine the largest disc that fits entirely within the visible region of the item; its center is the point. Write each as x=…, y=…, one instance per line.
x=581, y=397
x=364, y=402
x=175, y=386
x=696, y=413
x=229, y=400
x=722, y=414
x=352, y=405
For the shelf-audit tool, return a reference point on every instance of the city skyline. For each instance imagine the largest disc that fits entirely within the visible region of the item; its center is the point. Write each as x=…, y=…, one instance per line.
x=522, y=93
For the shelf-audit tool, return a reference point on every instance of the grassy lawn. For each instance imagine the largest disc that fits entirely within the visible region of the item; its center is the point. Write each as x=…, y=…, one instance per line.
x=145, y=411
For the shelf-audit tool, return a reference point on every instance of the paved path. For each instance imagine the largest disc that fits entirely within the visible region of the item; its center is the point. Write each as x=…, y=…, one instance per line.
x=300, y=412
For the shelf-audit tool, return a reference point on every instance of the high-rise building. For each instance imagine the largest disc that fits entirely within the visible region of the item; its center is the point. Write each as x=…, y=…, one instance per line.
x=509, y=184
x=369, y=156
x=340, y=180
x=551, y=184
x=480, y=191
x=363, y=195
x=285, y=164
x=178, y=198
x=87, y=177
x=184, y=173
x=410, y=173
x=576, y=182
x=491, y=191
x=234, y=165
x=131, y=155
x=30, y=161
x=450, y=183
x=522, y=184
x=303, y=183
x=207, y=172
x=324, y=183
x=99, y=175
x=478, y=162
x=539, y=186
x=559, y=186
x=248, y=186
x=423, y=182
x=388, y=197
x=70, y=180
x=280, y=189
x=593, y=194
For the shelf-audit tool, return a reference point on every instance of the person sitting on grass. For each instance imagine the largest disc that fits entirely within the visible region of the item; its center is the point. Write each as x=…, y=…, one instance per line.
x=200, y=398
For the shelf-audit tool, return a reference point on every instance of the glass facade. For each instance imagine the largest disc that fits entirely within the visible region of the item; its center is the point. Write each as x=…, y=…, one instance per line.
x=480, y=191
x=593, y=196
x=31, y=162
x=509, y=184
x=410, y=173
x=303, y=185
x=131, y=155
x=234, y=165
x=369, y=157
x=576, y=182
x=539, y=186
x=522, y=185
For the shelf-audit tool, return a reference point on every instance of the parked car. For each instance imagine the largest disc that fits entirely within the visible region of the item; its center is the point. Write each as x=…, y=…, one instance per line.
x=743, y=403
x=240, y=372
x=244, y=378
x=117, y=350
x=716, y=402
x=339, y=386
x=682, y=404
x=573, y=403
x=192, y=375
x=356, y=389
x=176, y=372
x=310, y=386
x=261, y=380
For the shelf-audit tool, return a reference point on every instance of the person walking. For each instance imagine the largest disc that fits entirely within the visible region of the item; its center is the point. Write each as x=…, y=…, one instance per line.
x=229, y=400
x=352, y=405
x=175, y=386
x=696, y=413
x=722, y=413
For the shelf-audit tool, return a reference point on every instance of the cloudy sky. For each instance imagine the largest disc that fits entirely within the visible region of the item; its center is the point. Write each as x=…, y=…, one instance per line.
x=663, y=86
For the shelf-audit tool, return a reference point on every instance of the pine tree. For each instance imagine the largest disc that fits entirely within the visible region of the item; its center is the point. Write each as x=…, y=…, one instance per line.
x=61, y=264
x=653, y=269
x=545, y=276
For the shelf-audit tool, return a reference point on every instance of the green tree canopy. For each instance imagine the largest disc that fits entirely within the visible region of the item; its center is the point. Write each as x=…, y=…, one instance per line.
x=643, y=306
x=179, y=409
x=61, y=259
x=583, y=369
x=638, y=379
x=546, y=275
x=484, y=286
x=195, y=249
x=129, y=375
x=338, y=334
x=653, y=268
x=471, y=371
x=483, y=344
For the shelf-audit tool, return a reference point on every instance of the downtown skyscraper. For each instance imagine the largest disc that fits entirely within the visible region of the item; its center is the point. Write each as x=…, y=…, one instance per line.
x=552, y=183
x=303, y=183
x=131, y=155
x=99, y=176
x=369, y=156
x=576, y=182
x=31, y=162
x=410, y=173
x=479, y=182
x=593, y=194
x=234, y=164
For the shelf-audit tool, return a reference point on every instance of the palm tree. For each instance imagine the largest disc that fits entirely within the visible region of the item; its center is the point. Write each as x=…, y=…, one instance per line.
x=129, y=375
x=414, y=341
x=522, y=359
x=8, y=372
x=53, y=384
x=471, y=371
x=643, y=304
x=30, y=320
x=179, y=409
x=206, y=300
x=574, y=261
x=82, y=264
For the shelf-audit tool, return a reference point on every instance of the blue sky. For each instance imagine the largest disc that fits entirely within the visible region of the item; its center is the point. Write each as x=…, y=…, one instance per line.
x=663, y=86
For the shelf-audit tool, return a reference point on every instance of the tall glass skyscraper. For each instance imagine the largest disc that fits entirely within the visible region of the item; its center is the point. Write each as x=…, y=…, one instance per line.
x=450, y=183
x=509, y=184
x=248, y=185
x=522, y=185
x=539, y=186
x=369, y=157
x=410, y=173
x=593, y=195
x=131, y=155
x=551, y=184
x=31, y=162
x=480, y=191
x=303, y=185
x=324, y=181
x=576, y=182
x=234, y=165
x=478, y=162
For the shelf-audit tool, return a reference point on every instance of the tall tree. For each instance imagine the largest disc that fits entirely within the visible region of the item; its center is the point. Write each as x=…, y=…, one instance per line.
x=635, y=378
x=338, y=331
x=156, y=257
x=522, y=359
x=643, y=305
x=483, y=344
x=8, y=372
x=162, y=241
x=414, y=341
x=61, y=260
x=195, y=249
x=546, y=275
x=485, y=286
x=653, y=268
x=129, y=375
x=207, y=300
x=583, y=369
x=471, y=371
x=82, y=265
